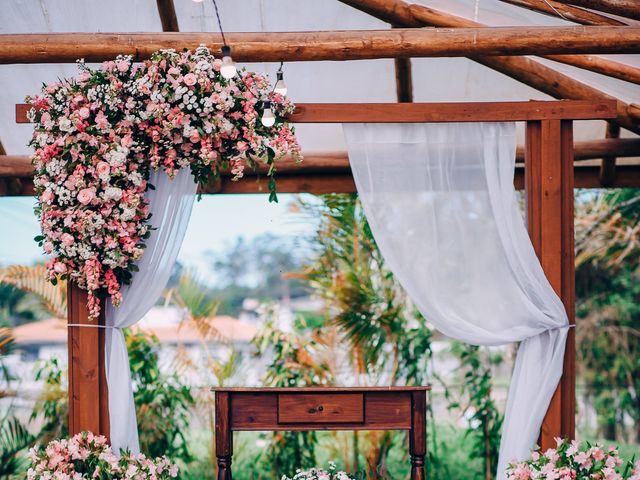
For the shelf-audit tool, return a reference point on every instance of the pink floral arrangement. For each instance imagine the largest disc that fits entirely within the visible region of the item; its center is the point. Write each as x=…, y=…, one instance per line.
x=97, y=137
x=88, y=456
x=569, y=462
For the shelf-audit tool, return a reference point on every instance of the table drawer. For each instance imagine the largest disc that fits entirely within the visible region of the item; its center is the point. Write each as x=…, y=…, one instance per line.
x=323, y=408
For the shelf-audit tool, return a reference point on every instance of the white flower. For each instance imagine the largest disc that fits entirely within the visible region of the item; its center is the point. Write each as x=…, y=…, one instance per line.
x=112, y=193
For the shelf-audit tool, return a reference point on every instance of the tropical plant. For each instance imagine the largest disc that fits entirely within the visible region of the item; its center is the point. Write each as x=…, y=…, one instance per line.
x=33, y=280
x=387, y=341
x=14, y=440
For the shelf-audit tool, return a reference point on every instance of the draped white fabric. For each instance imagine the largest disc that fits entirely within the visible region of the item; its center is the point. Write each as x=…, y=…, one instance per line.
x=443, y=209
x=170, y=205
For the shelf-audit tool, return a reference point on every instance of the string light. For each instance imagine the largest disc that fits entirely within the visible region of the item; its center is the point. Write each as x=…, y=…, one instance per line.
x=268, y=118
x=228, y=68
x=280, y=86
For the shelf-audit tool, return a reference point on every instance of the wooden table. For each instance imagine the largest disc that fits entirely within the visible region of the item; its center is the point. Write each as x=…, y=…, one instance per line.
x=321, y=408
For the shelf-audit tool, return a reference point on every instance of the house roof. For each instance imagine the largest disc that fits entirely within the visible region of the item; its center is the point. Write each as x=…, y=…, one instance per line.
x=54, y=331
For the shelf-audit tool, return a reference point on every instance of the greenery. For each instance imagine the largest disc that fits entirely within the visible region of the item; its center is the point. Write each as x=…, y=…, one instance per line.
x=163, y=403
x=608, y=309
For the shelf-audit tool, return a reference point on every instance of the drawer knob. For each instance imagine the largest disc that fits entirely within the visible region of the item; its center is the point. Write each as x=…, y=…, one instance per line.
x=320, y=408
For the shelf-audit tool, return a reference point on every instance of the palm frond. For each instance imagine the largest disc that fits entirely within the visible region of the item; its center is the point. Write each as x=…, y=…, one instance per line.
x=33, y=279
x=14, y=439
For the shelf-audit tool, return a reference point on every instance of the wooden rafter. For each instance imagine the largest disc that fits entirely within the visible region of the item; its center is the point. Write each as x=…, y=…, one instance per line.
x=601, y=65
x=404, y=80
x=523, y=69
x=316, y=46
x=168, y=18
x=566, y=12
x=623, y=8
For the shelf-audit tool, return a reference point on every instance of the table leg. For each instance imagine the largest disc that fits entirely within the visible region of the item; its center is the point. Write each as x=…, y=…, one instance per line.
x=418, y=435
x=224, y=436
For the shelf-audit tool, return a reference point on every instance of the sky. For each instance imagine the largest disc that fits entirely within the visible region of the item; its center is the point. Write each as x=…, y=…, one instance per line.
x=216, y=221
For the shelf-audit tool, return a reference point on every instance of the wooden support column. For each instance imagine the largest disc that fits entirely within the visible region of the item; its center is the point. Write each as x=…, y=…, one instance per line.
x=608, y=165
x=549, y=188
x=88, y=395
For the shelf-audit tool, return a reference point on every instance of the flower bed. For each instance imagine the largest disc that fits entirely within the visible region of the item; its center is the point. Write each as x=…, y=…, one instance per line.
x=98, y=136
x=88, y=456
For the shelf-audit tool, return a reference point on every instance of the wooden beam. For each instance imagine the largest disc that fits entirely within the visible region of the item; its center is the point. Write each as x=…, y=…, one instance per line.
x=19, y=166
x=601, y=65
x=623, y=8
x=608, y=165
x=549, y=190
x=88, y=392
x=168, y=18
x=315, y=46
x=437, y=112
x=566, y=12
x=340, y=180
x=525, y=70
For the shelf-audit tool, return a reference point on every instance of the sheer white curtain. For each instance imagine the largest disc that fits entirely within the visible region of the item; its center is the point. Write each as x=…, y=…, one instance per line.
x=443, y=209
x=170, y=204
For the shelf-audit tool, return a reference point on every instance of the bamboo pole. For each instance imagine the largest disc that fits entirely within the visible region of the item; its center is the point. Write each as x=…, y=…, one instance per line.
x=623, y=8
x=316, y=46
x=525, y=70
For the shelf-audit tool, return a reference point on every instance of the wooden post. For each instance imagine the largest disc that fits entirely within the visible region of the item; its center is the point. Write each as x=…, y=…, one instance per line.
x=418, y=434
x=88, y=394
x=224, y=439
x=549, y=187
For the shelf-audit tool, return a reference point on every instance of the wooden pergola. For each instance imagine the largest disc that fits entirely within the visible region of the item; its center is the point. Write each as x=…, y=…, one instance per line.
x=549, y=165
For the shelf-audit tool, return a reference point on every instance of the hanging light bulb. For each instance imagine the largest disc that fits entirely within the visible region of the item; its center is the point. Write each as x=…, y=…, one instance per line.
x=280, y=87
x=268, y=118
x=228, y=68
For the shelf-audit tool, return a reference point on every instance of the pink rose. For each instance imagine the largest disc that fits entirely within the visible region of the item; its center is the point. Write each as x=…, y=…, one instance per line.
x=47, y=196
x=122, y=66
x=190, y=79
x=48, y=247
x=127, y=141
x=102, y=168
x=84, y=112
x=60, y=268
x=67, y=239
x=173, y=71
x=195, y=137
x=86, y=195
